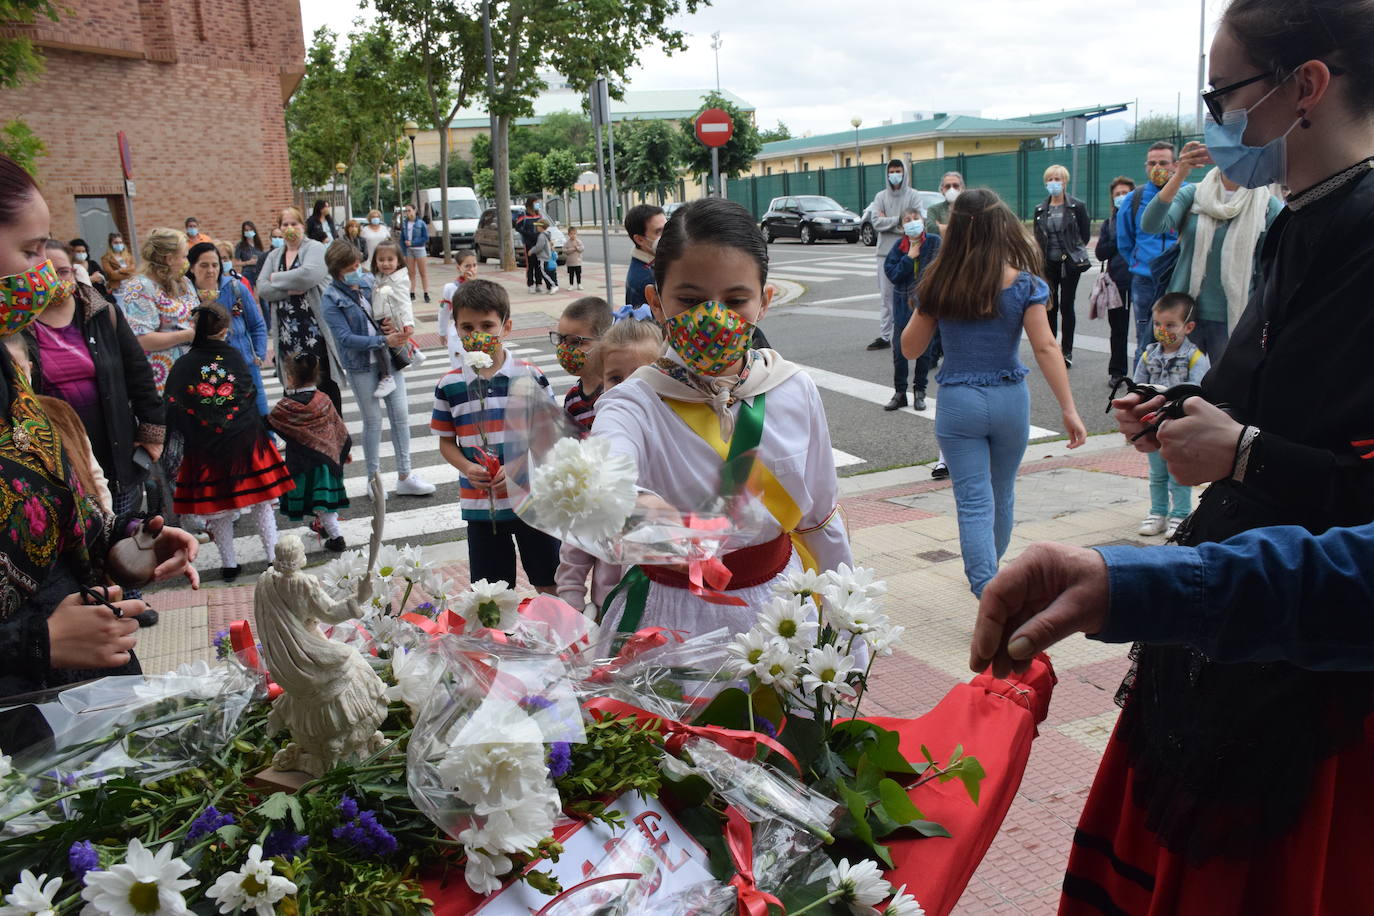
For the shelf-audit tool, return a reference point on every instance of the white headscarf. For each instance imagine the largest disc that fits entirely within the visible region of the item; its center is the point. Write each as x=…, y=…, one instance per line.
x=1246, y=213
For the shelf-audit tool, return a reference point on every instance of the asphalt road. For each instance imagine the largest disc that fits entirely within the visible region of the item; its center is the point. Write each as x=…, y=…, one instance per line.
x=829, y=326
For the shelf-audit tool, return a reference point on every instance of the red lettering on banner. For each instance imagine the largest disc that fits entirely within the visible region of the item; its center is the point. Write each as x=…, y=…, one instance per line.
x=647, y=822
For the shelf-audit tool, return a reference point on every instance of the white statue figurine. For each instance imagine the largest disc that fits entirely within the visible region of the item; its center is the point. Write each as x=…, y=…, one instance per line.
x=332, y=702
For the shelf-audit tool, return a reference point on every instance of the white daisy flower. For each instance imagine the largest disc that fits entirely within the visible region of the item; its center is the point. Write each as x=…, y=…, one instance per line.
x=803, y=583
x=826, y=670
x=789, y=620
x=584, y=488
x=341, y=575
x=492, y=605
x=859, y=579
x=861, y=885
x=903, y=904
x=747, y=650
x=416, y=671
x=30, y=897
x=848, y=610
x=476, y=359
x=777, y=666
x=143, y=885
x=253, y=886
x=882, y=638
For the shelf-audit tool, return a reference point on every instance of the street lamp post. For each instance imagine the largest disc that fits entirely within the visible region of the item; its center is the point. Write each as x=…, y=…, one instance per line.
x=411, y=129
x=1201, y=62
x=339, y=169
x=856, y=121
x=715, y=46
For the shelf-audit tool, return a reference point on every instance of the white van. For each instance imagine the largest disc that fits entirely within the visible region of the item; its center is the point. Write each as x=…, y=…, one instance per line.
x=463, y=213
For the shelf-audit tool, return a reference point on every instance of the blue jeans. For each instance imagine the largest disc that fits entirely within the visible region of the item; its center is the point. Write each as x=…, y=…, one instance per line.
x=982, y=431
x=1210, y=337
x=1143, y=306
x=1167, y=496
x=901, y=314
x=364, y=385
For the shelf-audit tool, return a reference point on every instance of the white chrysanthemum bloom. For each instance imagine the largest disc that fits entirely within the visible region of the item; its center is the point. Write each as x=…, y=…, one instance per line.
x=30, y=897
x=493, y=605
x=392, y=565
x=416, y=672
x=747, y=650
x=861, y=885
x=859, y=579
x=883, y=636
x=476, y=359
x=483, y=871
x=253, y=886
x=585, y=488
x=846, y=610
x=803, y=583
x=777, y=666
x=903, y=904
x=825, y=670
x=341, y=575
x=439, y=588
x=496, y=759
x=789, y=620
x=414, y=564
x=142, y=885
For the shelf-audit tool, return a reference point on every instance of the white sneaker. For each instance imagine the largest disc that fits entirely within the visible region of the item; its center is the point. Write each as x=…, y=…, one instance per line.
x=1173, y=526
x=1153, y=525
x=552, y=290
x=417, y=358
x=384, y=388
x=533, y=288
x=414, y=485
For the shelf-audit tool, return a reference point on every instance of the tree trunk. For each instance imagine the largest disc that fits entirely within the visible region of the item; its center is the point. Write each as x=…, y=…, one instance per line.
x=500, y=153
x=443, y=191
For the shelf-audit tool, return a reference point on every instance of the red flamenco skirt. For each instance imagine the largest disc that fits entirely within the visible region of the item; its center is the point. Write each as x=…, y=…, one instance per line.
x=1322, y=866
x=203, y=489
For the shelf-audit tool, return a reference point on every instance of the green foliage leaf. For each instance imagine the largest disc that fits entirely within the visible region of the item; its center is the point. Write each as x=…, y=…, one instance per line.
x=857, y=804
x=856, y=738
x=729, y=709
x=897, y=803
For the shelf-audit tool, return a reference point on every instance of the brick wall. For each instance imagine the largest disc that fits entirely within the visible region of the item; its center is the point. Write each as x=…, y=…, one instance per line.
x=198, y=88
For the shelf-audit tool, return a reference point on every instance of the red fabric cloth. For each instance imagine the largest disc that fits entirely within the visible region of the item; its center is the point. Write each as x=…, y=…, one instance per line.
x=995, y=721
x=202, y=490
x=1320, y=867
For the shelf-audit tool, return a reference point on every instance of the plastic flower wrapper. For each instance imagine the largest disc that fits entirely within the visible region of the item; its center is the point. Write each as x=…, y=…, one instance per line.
x=586, y=495
x=785, y=855
x=759, y=790
x=664, y=672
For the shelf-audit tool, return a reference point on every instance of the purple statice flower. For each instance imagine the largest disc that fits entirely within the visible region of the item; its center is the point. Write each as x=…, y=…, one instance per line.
x=348, y=808
x=223, y=647
x=82, y=858
x=533, y=704
x=284, y=843
x=207, y=822
x=764, y=727
x=366, y=834
x=426, y=608
x=560, y=759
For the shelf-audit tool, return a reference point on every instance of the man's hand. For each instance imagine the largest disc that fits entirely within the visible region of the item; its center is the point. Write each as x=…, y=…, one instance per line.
x=1048, y=593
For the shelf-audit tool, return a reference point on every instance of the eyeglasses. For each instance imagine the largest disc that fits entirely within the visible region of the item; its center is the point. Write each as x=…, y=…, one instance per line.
x=1212, y=98
x=571, y=340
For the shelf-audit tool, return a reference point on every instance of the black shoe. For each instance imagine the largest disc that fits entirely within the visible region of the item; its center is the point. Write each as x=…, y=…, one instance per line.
x=940, y=471
x=412, y=296
x=880, y=344
x=898, y=400
x=230, y=573
x=1068, y=359
x=426, y=297
x=148, y=618
x=918, y=399
x=335, y=545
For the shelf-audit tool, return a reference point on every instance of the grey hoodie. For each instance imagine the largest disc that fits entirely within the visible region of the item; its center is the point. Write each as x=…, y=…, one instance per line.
x=891, y=202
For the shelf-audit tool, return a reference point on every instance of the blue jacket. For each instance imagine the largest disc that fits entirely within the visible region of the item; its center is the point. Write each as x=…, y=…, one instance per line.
x=248, y=332
x=353, y=330
x=901, y=270
x=637, y=277
x=1136, y=247
x=417, y=236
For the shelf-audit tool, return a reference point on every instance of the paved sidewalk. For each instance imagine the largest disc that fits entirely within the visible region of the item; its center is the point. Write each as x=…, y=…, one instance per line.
x=903, y=524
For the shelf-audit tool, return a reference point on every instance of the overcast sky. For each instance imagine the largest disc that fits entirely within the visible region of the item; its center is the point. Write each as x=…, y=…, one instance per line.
x=815, y=64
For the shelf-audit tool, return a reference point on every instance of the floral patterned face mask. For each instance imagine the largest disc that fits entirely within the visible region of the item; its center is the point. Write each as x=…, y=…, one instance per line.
x=571, y=358
x=23, y=296
x=710, y=337
x=481, y=342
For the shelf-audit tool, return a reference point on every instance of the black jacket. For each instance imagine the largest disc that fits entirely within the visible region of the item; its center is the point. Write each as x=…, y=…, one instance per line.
x=1076, y=218
x=315, y=230
x=1107, y=251
x=129, y=402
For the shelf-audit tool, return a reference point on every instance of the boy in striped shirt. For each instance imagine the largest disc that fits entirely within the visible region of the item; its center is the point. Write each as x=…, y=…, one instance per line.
x=469, y=418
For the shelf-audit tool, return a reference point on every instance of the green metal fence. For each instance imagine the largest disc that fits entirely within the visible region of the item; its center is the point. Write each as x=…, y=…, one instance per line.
x=1016, y=177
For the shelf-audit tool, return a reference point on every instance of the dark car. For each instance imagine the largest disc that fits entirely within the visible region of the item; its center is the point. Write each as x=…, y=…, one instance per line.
x=869, y=236
x=808, y=217
x=486, y=242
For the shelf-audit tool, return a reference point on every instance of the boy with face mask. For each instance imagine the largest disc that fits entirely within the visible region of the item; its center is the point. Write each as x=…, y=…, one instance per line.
x=885, y=213
x=1140, y=248
x=643, y=224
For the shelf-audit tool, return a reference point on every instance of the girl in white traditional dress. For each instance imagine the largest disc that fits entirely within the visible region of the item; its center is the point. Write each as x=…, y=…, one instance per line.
x=712, y=397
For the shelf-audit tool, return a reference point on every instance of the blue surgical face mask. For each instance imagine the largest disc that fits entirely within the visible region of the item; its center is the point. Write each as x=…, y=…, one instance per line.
x=376, y=221
x=914, y=228
x=250, y=233
x=118, y=246
x=354, y=277
x=1054, y=187
x=278, y=241
x=894, y=178
x=226, y=266
x=192, y=232
x=1120, y=199
x=1247, y=166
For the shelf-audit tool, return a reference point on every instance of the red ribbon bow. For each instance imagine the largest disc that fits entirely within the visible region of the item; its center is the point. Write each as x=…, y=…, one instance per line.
x=246, y=648
x=736, y=742
x=739, y=839
x=708, y=578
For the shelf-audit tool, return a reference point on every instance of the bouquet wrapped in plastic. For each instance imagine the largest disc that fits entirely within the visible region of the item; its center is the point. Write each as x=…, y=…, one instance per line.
x=664, y=672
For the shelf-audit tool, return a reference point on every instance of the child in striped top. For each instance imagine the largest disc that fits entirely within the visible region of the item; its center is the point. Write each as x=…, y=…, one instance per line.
x=469, y=418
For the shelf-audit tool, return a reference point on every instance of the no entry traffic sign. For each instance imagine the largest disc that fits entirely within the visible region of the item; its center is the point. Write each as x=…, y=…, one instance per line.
x=714, y=127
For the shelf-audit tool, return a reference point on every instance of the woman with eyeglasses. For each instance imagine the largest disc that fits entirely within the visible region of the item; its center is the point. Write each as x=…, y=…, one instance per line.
x=1245, y=787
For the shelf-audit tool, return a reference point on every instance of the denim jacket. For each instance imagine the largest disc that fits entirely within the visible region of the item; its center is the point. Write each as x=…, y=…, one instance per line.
x=351, y=326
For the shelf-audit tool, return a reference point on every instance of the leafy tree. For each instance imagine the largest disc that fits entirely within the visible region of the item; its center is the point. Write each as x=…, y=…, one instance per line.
x=1159, y=127
x=736, y=156
x=20, y=62
x=485, y=180
x=652, y=157
x=781, y=132
x=21, y=144
x=560, y=174
x=481, y=151
x=528, y=177
x=571, y=131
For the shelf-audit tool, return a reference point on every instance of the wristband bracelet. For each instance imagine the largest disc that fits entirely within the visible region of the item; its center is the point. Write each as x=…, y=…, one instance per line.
x=1248, y=435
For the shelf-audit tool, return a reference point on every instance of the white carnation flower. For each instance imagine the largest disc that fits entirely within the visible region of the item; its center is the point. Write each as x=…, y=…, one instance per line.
x=142, y=885
x=416, y=671
x=521, y=827
x=860, y=886
x=803, y=583
x=476, y=359
x=789, y=620
x=439, y=588
x=253, y=886
x=903, y=904
x=483, y=872
x=489, y=604
x=826, y=670
x=30, y=897
x=496, y=759
x=585, y=488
